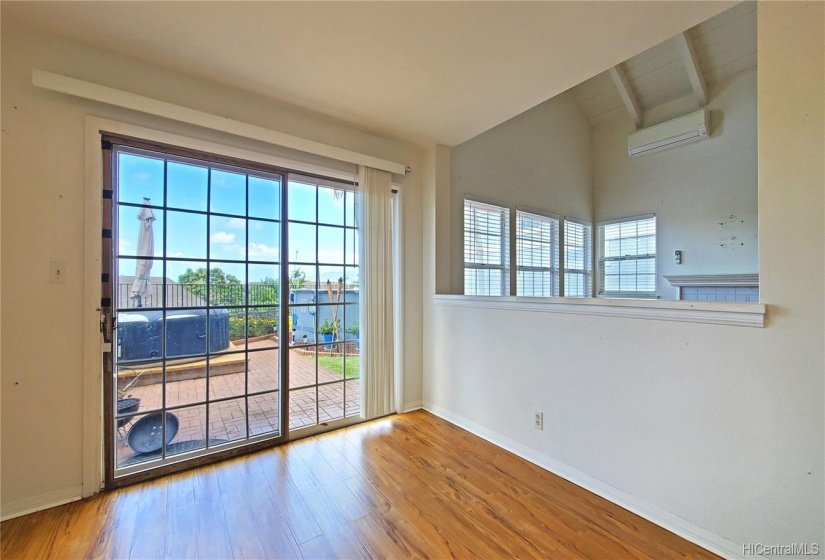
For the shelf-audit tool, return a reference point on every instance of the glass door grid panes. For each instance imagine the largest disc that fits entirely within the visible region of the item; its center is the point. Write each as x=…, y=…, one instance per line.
x=198, y=362
x=324, y=364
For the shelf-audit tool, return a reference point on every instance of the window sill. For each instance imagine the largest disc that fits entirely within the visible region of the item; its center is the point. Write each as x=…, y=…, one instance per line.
x=738, y=314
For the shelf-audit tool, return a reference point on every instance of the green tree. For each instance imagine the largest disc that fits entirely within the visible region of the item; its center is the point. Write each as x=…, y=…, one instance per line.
x=224, y=289
x=264, y=292
x=297, y=278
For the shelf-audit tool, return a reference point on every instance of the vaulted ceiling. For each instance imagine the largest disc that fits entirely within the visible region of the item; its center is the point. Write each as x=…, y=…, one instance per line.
x=422, y=71
x=724, y=45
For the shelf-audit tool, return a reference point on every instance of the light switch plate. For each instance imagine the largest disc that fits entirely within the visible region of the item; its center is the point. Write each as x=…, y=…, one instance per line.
x=57, y=272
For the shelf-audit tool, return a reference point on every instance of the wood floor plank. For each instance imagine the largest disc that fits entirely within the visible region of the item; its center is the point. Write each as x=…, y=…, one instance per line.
x=240, y=522
x=405, y=486
x=291, y=503
x=149, y=539
x=181, y=514
x=212, y=532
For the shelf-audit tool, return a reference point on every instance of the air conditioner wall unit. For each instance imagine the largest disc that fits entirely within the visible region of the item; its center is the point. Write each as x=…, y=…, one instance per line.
x=681, y=130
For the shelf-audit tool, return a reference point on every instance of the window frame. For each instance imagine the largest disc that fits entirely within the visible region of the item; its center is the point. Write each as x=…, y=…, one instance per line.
x=504, y=242
x=602, y=292
x=587, y=271
x=555, y=269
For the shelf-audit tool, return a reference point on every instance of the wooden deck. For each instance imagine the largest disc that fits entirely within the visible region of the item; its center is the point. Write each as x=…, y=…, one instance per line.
x=407, y=486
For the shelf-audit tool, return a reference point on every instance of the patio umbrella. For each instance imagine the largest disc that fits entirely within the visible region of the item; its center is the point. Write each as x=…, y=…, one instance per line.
x=142, y=286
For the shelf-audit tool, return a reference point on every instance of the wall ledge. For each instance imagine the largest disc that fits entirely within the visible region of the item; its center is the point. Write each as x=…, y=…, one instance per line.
x=726, y=280
x=737, y=314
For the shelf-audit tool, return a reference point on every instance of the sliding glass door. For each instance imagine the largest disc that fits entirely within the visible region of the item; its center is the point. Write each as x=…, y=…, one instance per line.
x=197, y=306
x=324, y=366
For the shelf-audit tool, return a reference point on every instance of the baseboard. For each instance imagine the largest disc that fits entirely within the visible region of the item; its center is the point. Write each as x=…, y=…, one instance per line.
x=37, y=503
x=414, y=405
x=654, y=514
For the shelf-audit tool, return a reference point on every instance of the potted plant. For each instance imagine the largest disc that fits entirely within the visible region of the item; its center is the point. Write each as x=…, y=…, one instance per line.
x=325, y=330
x=355, y=329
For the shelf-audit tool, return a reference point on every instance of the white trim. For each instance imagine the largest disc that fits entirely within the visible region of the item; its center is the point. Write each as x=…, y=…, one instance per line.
x=92, y=450
x=577, y=221
x=413, y=405
x=651, y=512
x=119, y=98
x=627, y=219
x=539, y=213
x=740, y=314
x=48, y=500
x=714, y=280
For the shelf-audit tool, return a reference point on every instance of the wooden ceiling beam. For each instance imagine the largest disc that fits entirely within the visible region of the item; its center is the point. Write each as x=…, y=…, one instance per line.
x=626, y=93
x=694, y=71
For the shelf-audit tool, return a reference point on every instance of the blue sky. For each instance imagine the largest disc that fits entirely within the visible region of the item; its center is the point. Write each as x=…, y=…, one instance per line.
x=187, y=188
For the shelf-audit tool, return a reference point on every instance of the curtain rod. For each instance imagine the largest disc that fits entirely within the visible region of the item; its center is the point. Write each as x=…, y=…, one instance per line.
x=119, y=98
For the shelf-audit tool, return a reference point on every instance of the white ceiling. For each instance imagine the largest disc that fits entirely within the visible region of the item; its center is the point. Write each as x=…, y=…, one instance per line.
x=422, y=71
x=725, y=45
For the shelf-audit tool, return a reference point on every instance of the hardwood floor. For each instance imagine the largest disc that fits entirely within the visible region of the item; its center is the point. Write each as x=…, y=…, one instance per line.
x=407, y=486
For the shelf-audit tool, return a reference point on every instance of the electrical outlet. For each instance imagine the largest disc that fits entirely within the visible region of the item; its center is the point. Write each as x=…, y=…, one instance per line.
x=538, y=420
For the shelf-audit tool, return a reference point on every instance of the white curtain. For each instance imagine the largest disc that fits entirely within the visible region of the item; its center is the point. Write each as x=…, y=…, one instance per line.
x=376, y=297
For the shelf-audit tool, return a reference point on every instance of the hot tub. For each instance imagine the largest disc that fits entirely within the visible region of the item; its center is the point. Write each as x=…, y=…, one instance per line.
x=140, y=334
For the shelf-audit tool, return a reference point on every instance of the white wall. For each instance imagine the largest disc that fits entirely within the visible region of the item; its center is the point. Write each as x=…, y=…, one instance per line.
x=719, y=426
x=694, y=189
x=43, y=219
x=540, y=159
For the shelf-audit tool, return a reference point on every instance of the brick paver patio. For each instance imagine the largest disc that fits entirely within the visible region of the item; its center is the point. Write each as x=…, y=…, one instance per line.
x=227, y=420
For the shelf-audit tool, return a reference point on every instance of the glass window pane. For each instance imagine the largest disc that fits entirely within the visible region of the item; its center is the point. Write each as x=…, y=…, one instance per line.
x=352, y=202
x=227, y=421
x=352, y=399
x=264, y=417
x=228, y=193
x=302, y=408
x=185, y=235
x=139, y=177
x=138, y=230
x=302, y=243
x=331, y=206
x=227, y=238
x=264, y=241
x=191, y=434
x=352, y=251
x=330, y=245
x=302, y=202
x=226, y=284
x=330, y=402
x=263, y=371
x=227, y=378
x=185, y=284
x=264, y=198
x=186, y=186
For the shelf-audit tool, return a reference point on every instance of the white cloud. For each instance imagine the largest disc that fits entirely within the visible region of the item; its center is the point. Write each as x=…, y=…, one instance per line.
x=262, y=252
x=334, y=257
x=236, y=223
x=222, y=237
x=124, y=246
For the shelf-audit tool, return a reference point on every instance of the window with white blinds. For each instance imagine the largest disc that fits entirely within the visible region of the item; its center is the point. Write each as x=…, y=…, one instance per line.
x=537, y=255
x=627, y=257
x=486, y=249
x=578, y=259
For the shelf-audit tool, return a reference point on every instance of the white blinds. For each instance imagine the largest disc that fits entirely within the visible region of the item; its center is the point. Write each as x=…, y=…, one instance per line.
x=486, y=249
x=537, y=255
x=628, y=256
x=578, y=259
